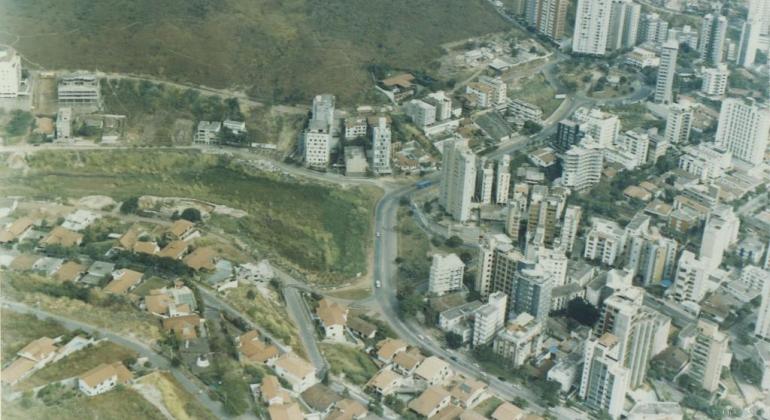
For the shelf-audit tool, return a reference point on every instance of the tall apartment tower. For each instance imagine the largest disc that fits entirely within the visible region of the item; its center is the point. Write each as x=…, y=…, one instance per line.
x=624, y=24
x=690, y=278
x=715, y=80
x=582, y=165
x=709, y=353
x=552, y=18
x=529, y=292
x=649, y=256
x=747, y=48
x=318, y=135
x=592, y=26
x=489, y=319
x=381, y=147
x=446, y=274
x=485, y=181
x=624, y=316
x=678, y=124
x=458, y=179
x=762, y=327
x=569, y=227
x=743, y=129
x=490, y=250
x=653, y=29
x=503, y=179
x=664, y=84
x=568, y=134
x=10, y=72
x=761, y=9
x=720, y=231
x=602, y=126
x=604, y=381
x=711, y=44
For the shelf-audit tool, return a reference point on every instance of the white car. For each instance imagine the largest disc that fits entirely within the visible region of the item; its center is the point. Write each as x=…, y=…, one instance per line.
x=377, y=283
x=379, y=234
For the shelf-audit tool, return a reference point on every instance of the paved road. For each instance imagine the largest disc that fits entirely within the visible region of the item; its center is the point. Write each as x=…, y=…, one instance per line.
x=299, y=313
x=191, y=385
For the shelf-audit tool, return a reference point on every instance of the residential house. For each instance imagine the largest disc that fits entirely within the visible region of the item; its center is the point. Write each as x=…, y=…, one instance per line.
x=70, y=271
x=16, y=230
x=333, y=318
x=184, y=327
x=385, y=382
x=104, y=378
x=389, y=348
x=285, y=412
x=406, y=362
x=430, y=402
x=181, y=230
x=272, y=391
x=450, y=412
x=97, y=273
x=146, y=247
x=468, y=392
x=251, y=348
x=297, y=371
x=174, y=250
x=320, y=399
x=508, y=411
x=33, y=356
x=62, y=237
x=348, y=409
x=203, y=258
x=361, y=328
x=123, y=281
x=171, y=301
x=433, y=371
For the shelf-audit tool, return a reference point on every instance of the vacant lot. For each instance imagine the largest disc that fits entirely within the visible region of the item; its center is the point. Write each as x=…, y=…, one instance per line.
x=178, y=402
x=315, y=228
x=537, y=91
x=351, y=362
x=283, y=50
x=19, y=330
x=78, y=363
x=267, y=314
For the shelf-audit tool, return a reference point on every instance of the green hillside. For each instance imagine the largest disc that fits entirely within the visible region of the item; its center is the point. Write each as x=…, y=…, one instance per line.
x=278, y=50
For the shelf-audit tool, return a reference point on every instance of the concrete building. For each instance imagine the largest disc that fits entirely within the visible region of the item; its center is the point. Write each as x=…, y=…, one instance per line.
x=499, y=89
x=443, y=104
x=489, y=318
x=706, y=161
x=664, y=84
x=604, y=382
x=603, y=127
x=521, y=339
x=551, y=19
x=678, y=124
x=715, y=80
x=381, y=147
x=592, y=27
x=524, y=111
x=582, y=165
x=491, y=250
x=749, y=43
x=743, y=129
x=317, y=144
x=690, y=278
x=355, y=127
x=569, y=228
x=64, y=123
x=605, y=242
x=568, y=134
x=762, y=327
x=652, y=29
x=78, y=89
x=530, y=291
x=10, y=73
x=458, y=179
x=485, y=181
x=720, y=232
x=208, y=132
x=323, y=109
x=713, y=34
x=446, y=274
x=421, y=113
x=635, y=144
x=503, y=179
x=708, y=355
x=624, y=25
x=650, y=256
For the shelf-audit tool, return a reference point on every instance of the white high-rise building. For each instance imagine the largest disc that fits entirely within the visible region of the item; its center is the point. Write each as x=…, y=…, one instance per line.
x=443, y=104
x=743, y=129
x=622, y=24
x=489, y=319
x=747, y=48
x=421, y=113
x=554, y=263
x=592, y=27
x=485, y=181
x=503, y=179
x=604, y=381
x=521, y=339
x=709, y=354
x=762, y=327
x=712, y=39
x=582, y=165
x=649, y=255
x=458, y=179
x=446, y=274
x=653, y=29
x=715, y=80
x=605, y=241
x=490, y=247
x=678, y=124
x=634, y=146
x=317, y=137
x=381, y=147
x=569, y=227
x=603, y=127
x=720, y=232
x=690, y=278
x=10, y=73
x=761, y=9
x=706, y=160
x=666, y=71
x=498, y=88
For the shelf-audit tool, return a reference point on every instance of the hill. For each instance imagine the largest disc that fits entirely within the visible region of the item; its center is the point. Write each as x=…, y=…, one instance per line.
x=276, y=50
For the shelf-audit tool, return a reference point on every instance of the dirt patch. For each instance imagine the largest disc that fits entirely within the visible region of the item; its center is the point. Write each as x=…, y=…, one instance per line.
x=96, y=202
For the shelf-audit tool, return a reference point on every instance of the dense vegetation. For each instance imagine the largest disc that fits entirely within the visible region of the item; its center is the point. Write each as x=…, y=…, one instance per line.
x=281, y=50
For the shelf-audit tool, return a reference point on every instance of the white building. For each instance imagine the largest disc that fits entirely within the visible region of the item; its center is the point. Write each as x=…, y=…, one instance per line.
x=720, y=232
x=295, y=370
x=521, y=339
x=605, y=241
x=443, y=104
x=706, y=161
x=499, y=89
x=323, y=109
x=592, y=27
x=712, y=38
x=690, y=278
x=624, y=25
x=381, y=147
x=10, y=73
x=715, y=80
x=446, y=274
x=421, y=113
x=569, y=227
x=633, y=147
x=103, y=378
x=64, y=123
x=458, y=179
x=652, y=29
x=208, y=132
x=79, y=88
x=708, y=355
x=664, y=84
x=749, y=43
x=489, y=318
x=603, y=127
x=604, y=382
x=678, y=124
x=649, y=255
x=317, y=144
x=485, y=181
x=762, y=327
x=582, y=165
x=503, y=179
x=743, y=129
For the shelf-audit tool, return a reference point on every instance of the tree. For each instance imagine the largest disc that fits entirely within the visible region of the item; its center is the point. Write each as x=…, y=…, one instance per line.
x=251, y=295
x=582, y=312
x=521, y=402
x=531, y=127
x=130, y=205
x=454, y=241
x=191, y=214
x=453, y=340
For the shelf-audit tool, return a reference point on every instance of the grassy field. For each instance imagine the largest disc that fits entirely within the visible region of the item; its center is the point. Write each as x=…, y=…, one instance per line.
x=120, y=403
x=357, y=367
x=488, y=406
x=78, y=363
x=179, y=403
x=311, y=227
x=537, y=91
x=18, y=330
x=414, y=249
x=278, y=50
x=268, y=315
